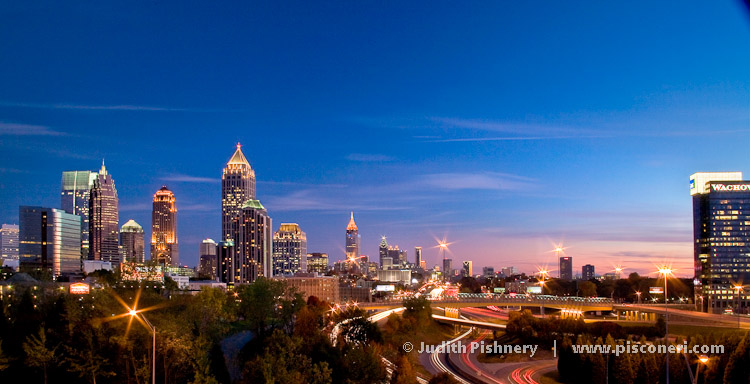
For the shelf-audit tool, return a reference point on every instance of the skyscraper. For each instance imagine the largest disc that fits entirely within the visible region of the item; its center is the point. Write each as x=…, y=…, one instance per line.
x=226, y=256
x=566, y=268
x=447, y=268
x=317, y=262
x=9, y=241
x=383, y=250
x=50, y=239
x=208, y=259
x=164, y=247
x=289, y=250
x=417, y=257
x=587, y=272
x=253, y=241
x=468, y=270
x=103, y=219
x=132, y=242
x=721, y=232
x=352, y=239
x=75, y=192
x=237, y=187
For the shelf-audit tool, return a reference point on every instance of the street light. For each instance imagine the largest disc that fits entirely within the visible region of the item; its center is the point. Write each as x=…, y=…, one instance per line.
x=638, y=293
x=542, y=273
x=143, y=320
x=666, y=271
x=739, y=289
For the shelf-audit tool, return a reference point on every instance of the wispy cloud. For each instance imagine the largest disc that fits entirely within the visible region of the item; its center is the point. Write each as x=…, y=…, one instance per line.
x=120, y=107
x=481, y=180
x=369, y=158
x=190, y=179
x=13, y=129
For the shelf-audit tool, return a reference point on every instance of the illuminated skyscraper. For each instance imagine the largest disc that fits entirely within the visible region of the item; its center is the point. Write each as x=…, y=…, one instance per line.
x=566, y=268
x=721, y=241
x=50, y=239
x=417, y=257
x=352, y=239
x=164, y=247
x=74, y=199
x=208, y=259
x=103, y=219
x=9, y=242
x=132, y=242
x=383, y=251
x=289, y=250
x=237, y=187
x=253, y=239
x=317, y=262
x=588, y=272
x=468, y=269
x=225, y=255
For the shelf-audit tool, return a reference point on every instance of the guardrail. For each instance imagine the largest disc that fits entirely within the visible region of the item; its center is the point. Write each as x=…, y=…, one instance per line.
x=493, y=298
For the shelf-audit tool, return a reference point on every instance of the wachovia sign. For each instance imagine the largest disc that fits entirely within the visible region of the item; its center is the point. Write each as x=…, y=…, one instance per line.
x=730, y=187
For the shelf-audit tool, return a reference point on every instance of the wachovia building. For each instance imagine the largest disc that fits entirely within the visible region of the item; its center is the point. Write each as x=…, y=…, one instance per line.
x=721, y=241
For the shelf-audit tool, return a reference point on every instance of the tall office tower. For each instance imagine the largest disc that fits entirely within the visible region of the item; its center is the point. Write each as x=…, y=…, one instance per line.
x=317, y=262
x=103, y=219
x=74, y=199
x=721, y=233
x=382, y=250
x=237, y=187
x=468, y=270
x=132, y=242
x=50, y=239
x=226, y=256
x=254, y=242
x=353, y=239
x=289, y=250
x=9, y=241
x=208, y=265
x=448, y=268
x=566, y=268
x=488, y=272
x=418, y=257
x=164, y=246
x=587, y=273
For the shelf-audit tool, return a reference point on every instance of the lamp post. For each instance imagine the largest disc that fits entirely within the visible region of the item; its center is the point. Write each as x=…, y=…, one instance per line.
x=666, y=271
x=136, y=315
x=638, y=293
x=542, y=274
x=739, y=289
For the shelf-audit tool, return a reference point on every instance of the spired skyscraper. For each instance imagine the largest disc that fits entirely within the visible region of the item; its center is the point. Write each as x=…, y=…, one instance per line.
x=164, y=246
x=132, y=242
x=103, y=219
x=75, y=192
x=237, y=187
x=289, y=250
x=721, y=241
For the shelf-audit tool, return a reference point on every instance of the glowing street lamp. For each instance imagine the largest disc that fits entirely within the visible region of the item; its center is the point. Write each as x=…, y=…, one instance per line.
x=666, y=271
x=542, y=273
x=739, y=289
x=143, y=320
x=638, y=293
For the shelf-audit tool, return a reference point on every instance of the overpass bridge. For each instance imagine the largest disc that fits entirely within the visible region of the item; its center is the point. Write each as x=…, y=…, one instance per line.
x=570, y=304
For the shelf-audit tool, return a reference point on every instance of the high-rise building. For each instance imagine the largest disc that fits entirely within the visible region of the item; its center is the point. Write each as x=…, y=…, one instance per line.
x=208, y=265
x=509, y=271
x=721, y=233
x=254, y=240
x=50, y=239
x=289, y=250
x=317, y=262
x=468, y=269
x=353, y=240
x=103, y=219
x=164, y=245
x=448, y=268
x=418, y=257
x=9, y=242
x=132, y=242
x=237, y=187
x=488, y=272
x=383, y=250
x=226, y=255
x=587, y=272
x=566, y=268
x=397, y=256
x=75, y=193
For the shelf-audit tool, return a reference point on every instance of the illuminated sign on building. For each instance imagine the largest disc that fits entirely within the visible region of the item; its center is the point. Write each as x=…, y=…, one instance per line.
x=79, y=289
x=385, y=288
x=141, y=272
x=655, y=290
x=730, y=187
x=498, y=289
x=534, y=290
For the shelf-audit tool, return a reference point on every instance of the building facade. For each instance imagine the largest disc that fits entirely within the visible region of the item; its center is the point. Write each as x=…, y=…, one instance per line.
x=164, y=244
x=254, y=241
x=237, y=187
x=468, y=269
x=721, y=232
x=488, y=272
x=75, y=193
x=208, y=253
x=383, y=251
x=103, y=219
x=317, y=262
x=418, y=257
x=50, y=239
x=132, y=242
x=325, y=288
x=225, y=253
x=9, y=242
x=566, y=268
x=289, y=250
x=587, y=272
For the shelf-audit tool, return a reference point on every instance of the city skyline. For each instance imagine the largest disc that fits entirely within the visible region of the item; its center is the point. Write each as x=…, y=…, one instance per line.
x=507, y=151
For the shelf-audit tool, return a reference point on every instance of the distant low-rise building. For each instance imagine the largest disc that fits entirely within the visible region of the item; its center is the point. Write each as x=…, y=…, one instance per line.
x=325, y=288
x=317, y=262
x=402, y=276
x=488, y=272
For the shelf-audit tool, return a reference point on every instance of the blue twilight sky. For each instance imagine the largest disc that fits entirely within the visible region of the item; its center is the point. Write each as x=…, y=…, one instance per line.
x=505, y=126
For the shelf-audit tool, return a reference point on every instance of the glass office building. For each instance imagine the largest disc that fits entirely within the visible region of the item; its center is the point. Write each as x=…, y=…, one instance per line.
x=50, y=239
x=74, y=199
x=721, y=232
x=289, y=250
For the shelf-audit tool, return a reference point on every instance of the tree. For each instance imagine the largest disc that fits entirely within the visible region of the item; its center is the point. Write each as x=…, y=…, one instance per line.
x=404, y=373
x=588, y=289
x=264, y=304
x=737, y=369
x=443, y=378
x=4, y=362
x=37, y=353
x=87, y=363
